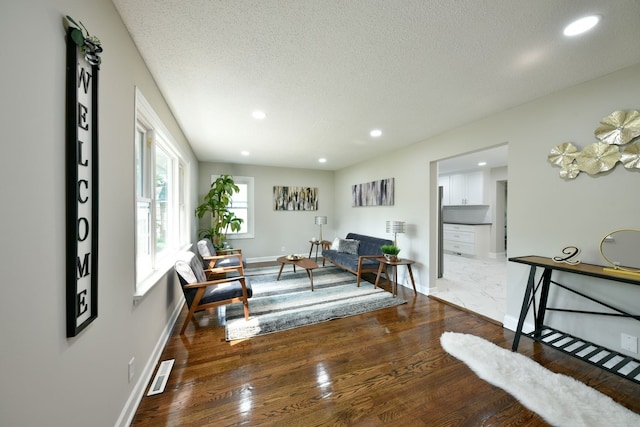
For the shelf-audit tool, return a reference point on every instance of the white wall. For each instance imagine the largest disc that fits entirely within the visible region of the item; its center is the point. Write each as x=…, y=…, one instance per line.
x=410, y=169
x=48, y=379
x=546, y=213
x=276, y=229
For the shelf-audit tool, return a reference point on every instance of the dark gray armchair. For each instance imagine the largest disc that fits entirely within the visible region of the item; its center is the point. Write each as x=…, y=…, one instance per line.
x=202, y=293
x=213, y=258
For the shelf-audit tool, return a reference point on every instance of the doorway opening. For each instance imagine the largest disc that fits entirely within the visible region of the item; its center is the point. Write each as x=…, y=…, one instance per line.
x=472, y=232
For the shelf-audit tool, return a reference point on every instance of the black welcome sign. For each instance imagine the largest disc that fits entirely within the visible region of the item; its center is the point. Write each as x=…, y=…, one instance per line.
x=81, y=187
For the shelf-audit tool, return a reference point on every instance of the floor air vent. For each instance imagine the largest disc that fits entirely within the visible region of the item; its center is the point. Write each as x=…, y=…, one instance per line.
x=160, y=380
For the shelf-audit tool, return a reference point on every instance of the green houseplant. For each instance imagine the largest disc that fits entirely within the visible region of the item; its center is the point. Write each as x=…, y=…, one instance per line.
x=218, y=202
x=390, y=252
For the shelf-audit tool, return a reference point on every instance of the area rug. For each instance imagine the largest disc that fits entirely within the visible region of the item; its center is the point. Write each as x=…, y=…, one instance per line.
x=559, y=399
x=289, y=303
x=259, y=271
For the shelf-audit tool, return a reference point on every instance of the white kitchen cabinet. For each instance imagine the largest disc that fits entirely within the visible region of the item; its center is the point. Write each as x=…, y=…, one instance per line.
x=475, y=188
x=458, y=190
x=463, y=189
x=465, y=239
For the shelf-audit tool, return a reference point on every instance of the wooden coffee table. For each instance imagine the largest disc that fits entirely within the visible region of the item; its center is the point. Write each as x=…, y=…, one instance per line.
x=305, y=263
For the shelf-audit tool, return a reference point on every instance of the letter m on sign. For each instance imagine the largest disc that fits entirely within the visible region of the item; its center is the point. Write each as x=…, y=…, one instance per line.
x=83, y=265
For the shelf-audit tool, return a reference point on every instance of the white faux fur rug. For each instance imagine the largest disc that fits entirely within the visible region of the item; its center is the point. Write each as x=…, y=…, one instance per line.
x=559, y=399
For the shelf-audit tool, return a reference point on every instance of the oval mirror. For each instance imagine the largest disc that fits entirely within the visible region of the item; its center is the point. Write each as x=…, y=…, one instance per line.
x=621, y=249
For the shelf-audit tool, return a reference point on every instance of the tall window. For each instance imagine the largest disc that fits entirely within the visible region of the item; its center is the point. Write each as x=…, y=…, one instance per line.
x=242, y=206
x=162, y=226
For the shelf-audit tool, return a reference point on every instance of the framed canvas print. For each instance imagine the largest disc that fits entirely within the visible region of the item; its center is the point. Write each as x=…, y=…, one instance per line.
x=295, y=198
x=374, y=193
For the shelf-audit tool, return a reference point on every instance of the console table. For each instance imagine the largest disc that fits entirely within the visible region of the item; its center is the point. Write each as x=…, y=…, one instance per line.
x=609, y=360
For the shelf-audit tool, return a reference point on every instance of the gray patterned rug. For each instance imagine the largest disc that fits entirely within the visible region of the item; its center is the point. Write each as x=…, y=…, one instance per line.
x=289, y=303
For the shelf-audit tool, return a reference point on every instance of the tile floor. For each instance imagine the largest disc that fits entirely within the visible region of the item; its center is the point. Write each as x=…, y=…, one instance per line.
x=477, y=285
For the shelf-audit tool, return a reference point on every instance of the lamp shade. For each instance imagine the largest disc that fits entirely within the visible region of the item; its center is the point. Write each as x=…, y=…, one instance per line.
x=395, y=226
x=320, y=220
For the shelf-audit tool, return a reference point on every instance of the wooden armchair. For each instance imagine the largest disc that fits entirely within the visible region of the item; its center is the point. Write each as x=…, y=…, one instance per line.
x=200, y=292
x=213, y=258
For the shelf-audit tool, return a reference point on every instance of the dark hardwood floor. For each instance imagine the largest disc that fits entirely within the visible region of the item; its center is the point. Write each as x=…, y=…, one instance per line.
x=379, y=368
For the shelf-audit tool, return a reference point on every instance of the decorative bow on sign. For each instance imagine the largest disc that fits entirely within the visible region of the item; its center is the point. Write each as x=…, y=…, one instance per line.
x=567, y=254
x=90, y=45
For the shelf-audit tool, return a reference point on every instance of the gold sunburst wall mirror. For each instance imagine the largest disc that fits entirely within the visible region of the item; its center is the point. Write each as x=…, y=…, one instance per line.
x=618, y=141
x=620, y=249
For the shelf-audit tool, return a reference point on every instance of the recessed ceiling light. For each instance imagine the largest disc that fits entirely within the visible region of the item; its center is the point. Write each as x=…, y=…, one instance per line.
x=322, y=160
x=581, y=25
x=482, y=163
x=375, y=133
x=258, y=115
x=245, y=153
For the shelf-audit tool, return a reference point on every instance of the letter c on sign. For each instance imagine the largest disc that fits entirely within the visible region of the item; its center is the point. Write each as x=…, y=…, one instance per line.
x=83, y=183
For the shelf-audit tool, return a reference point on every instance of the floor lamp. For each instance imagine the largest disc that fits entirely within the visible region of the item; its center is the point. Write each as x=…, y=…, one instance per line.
x=320, y=220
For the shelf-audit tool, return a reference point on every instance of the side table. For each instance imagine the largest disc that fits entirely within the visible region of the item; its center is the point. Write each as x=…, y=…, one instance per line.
x=385, y=263
x=317, y=243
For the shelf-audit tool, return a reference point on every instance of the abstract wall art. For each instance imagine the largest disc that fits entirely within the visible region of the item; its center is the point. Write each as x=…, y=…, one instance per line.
x=374, y=193
x=295, y=198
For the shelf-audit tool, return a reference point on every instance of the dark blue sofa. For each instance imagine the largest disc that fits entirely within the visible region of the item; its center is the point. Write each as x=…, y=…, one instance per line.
x=366, y=258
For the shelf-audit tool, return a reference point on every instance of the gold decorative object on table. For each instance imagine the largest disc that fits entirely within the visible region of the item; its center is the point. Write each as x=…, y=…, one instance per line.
x=619, y=248
x=618, y=128
x=568, y=256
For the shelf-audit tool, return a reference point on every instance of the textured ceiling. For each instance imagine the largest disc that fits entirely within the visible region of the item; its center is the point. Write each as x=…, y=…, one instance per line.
x=326, y=72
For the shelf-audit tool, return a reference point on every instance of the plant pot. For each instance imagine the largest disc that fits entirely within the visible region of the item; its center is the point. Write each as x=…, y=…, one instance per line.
x=391, y=258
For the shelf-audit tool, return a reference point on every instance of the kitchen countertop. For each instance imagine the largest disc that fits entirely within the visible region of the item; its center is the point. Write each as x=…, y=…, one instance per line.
x=468, y=223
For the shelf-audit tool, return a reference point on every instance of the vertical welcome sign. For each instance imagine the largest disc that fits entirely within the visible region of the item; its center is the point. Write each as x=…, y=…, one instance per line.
x=82, y=189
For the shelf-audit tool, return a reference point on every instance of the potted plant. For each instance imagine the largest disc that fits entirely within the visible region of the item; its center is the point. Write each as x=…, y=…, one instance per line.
x=217, y=202
x=390, y=252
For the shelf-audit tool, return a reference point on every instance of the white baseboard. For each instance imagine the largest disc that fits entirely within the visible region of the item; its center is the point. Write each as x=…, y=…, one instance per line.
x=273, y=258
x=511, y=323
x=129, y=410
x=262, y=259
x=410, y=288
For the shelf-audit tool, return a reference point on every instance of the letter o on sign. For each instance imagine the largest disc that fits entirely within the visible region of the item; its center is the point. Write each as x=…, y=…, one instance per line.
x=83, y=229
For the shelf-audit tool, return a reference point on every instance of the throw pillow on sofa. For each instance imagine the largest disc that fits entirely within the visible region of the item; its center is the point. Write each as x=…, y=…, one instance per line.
x=336, y=244
x=349, y=246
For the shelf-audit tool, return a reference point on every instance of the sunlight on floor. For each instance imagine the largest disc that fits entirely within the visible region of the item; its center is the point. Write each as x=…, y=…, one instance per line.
x=477, y=285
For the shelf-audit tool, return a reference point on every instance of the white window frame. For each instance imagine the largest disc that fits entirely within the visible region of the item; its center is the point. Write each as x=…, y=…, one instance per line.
x=149, y=272
x=249, y=181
